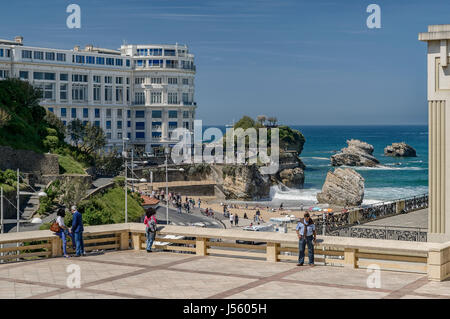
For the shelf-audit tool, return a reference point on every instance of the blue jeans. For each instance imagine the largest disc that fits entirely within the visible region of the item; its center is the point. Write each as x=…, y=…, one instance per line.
x=150, y=238
x=301, y=247
x=63, y=235
x=79, y=243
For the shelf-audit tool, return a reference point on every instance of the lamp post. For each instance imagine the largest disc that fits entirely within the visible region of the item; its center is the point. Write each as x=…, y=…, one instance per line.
x=166, y=152
x=124, y=155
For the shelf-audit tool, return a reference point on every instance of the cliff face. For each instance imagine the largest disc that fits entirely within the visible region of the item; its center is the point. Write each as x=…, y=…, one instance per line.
x=399, y=150
x=291, y=172
x=356, y=154
x=343, y=187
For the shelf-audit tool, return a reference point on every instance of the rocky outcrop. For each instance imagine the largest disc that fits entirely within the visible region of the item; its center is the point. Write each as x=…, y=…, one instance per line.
x=399, y=150
x=244, y=182
x=357, y=153
x=343, y=187
x=291, y=171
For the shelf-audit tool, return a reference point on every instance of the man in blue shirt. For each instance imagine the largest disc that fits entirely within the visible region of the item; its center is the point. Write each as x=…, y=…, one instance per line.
x=77, y=230
x=306, y=232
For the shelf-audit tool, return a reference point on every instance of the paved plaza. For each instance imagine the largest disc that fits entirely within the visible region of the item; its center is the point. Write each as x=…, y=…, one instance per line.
x=137, y=274
x=418, y=219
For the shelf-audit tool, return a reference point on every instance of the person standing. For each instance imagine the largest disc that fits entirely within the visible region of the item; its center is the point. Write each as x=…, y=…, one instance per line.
x=150, y=227
x=236, y=220
x=77, y=231
x=63, y=231
x=306, y=232
x=199, y=203
x=231, y=219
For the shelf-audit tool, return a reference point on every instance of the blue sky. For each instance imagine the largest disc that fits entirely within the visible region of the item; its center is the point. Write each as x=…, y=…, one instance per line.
x=305, y=62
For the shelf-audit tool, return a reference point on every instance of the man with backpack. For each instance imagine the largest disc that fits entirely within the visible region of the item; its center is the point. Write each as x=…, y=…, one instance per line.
x=150, y=227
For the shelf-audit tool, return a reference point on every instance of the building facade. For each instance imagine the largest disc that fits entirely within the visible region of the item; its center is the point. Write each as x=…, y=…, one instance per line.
x=139, y=92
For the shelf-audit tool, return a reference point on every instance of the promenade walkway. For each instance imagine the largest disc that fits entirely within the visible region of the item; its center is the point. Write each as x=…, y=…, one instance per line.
x=137, y=274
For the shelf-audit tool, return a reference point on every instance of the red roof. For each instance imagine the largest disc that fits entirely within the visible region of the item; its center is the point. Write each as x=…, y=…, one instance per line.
x=149, y=200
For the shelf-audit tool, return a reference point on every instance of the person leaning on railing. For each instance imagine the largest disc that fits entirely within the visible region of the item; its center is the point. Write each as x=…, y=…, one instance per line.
x=64, y=231
x=150, y=227
x=306, y=232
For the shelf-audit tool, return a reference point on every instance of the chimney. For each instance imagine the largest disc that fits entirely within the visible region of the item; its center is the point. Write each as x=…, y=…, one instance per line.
x=76, y=48
x=18, y=39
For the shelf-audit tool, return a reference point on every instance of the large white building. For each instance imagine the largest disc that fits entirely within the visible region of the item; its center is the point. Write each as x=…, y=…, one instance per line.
x=140, y=92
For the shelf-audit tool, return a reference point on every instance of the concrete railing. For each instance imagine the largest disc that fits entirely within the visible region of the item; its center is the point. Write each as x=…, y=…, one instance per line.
x=430, y=258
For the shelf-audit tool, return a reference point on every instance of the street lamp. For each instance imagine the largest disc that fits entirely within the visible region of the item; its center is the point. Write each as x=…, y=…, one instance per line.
x=124, y=154
x=166, y=151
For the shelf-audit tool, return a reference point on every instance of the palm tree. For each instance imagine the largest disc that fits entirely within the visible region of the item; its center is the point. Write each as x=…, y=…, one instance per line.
x=272, y=120
x=261, y=119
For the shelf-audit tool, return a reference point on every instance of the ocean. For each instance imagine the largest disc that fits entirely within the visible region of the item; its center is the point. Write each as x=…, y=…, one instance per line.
x=394, y=178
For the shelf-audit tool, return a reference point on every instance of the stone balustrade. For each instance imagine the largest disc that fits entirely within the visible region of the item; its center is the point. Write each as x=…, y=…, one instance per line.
x=421, y=257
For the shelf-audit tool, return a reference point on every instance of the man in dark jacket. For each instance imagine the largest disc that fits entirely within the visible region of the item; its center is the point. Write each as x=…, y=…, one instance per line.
x=77, y=230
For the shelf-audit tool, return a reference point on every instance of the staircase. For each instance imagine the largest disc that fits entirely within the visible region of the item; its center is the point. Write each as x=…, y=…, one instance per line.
x=32, y=205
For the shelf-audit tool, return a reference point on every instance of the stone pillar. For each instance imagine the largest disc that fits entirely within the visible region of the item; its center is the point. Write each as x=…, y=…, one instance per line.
x=438, y=131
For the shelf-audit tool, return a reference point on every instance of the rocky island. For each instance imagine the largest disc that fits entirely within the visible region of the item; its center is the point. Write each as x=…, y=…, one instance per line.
x=399, y=150
x=343, y=187
x=357, y=153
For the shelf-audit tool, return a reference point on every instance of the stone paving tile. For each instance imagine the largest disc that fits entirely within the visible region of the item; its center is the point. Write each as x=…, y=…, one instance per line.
x=172, y=284
x=415, y=297
x=283, y=290
x=74, y=294
x=14, y=290
x=435, y=288
x=353, y=277
x=235, y=266
x=54, y=271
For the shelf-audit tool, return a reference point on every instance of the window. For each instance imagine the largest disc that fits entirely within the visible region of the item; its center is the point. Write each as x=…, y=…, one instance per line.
x=85, y=112
x=119, y=62
x=155, y=97
x=85, y=123
x=100, y=60
x=171, y=64
x=97, y=79
x=142, y=52
x=108, y=113
x=156, y=114
x=172, y=98
x=129, y=135
x=172, y=81
x=63, y=112
x=140, y=63
x=90, y=60
x=79, y=93
x=109, y=61
x=140, y=114
x=61, y=57
x=64, y=123
x=155, y=52
x=50, y=56
x=140, y=134
x=1, y=53
x=108, y=125
x=140, y=126
x=119, y=113
x=119, y=95
x=139, y=80
x=74, y=113
x=119, y=135
x=26, y=54
x=173, y=125
x=156, y=125
x=47, y=90
x=156, y=134
x=38, y=55
x=156, y=80
x=185, y=81
x=96, y=113
x=108, y=79
x=185, y=98
x=128, y=63
x=108, y=94
x=119, y=125
x=186, y=125
x=79, y=59
x=97, y=96
x=128, y=113
x=4, y=74
x=64, y=77
x=50, y=109
x=49, y=76
x=139, y=98
x=155, y=63
x=119, y=80
x=79, y=78
x=108, y=135
x=168, y=52
x=23, y=75
x=97, y=123
x=128, y=123
x=173, y=114
x=38, y=75
x=63, y=91
x=185, y=114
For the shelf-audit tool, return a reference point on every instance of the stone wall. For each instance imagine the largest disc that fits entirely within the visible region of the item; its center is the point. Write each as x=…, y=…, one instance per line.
x=28, y=161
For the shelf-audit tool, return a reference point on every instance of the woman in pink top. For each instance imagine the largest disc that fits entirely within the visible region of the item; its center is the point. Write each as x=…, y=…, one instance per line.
x=150, y=227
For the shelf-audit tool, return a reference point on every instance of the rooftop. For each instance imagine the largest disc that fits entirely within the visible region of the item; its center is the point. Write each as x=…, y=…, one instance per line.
x=137, y=274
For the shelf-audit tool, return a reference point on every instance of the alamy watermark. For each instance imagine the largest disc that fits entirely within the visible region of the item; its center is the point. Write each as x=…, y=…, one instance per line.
x=374, y=279
x=192, y=150
x=74, y=19
x=74, y=279
x=374, y=19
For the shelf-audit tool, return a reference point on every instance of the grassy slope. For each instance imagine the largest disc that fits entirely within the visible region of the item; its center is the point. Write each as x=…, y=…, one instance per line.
x=69, y=166
x=114, y=199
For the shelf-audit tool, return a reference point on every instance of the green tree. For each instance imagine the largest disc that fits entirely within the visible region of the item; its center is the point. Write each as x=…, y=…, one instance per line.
x=76, y=130
x=94, y=139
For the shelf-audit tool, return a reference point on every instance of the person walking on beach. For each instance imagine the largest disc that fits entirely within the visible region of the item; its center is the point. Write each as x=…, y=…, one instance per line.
x=150, y=227
x=231, y=219
x=63, y=231
x=236, y=220
x=306, y=232
x=77, y=231
x=199, y=203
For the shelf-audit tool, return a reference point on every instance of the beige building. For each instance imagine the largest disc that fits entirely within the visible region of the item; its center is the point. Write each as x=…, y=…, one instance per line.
x=438, y=60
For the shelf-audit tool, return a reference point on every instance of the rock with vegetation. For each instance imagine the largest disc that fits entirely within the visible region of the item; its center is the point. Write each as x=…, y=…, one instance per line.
x=291, y=172
x=400, y=150
x=357, y=153
x=343, y=187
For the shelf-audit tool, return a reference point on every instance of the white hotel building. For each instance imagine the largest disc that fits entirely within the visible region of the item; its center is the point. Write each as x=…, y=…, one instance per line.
x=140, y=92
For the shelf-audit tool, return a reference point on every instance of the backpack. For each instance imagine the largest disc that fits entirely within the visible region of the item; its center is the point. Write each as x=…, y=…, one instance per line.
x=152, y=226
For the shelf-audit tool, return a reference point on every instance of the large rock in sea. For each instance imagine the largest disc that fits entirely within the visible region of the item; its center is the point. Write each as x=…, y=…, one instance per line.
x=357, y=153
x=291, y=171
x=343, y=187
x=399, y=150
